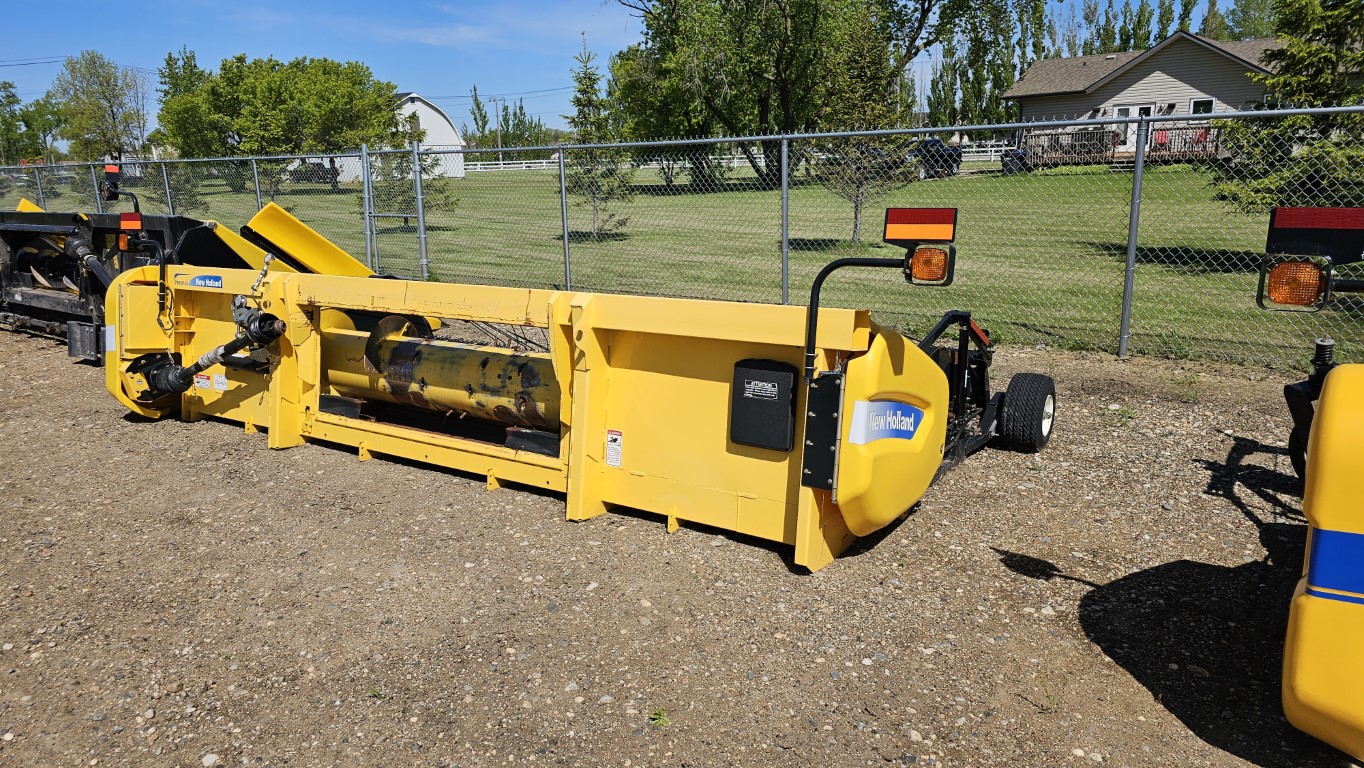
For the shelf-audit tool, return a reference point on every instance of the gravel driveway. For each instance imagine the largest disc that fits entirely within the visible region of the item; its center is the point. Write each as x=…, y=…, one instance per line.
x=177, y=594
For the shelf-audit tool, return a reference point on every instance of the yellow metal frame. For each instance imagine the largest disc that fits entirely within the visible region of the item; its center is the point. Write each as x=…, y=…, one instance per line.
x=655, y=373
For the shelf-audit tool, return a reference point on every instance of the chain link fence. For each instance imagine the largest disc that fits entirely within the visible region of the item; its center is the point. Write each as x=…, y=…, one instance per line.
x=1140, y=235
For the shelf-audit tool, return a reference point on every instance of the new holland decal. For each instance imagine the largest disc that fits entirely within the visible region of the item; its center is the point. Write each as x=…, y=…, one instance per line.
x=201, y=281
x=883, y=419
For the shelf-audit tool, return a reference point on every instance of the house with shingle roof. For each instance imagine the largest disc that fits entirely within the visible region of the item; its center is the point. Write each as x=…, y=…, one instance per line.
x=1184, y=74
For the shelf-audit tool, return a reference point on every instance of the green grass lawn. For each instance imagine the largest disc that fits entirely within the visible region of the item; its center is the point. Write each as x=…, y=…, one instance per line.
x=1040, y=257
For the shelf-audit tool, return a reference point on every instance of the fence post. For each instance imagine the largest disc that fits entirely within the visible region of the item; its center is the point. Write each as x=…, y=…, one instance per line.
x=1133, y=226
x=785, y=223
x=255, y=177
x=367, y=207
x=94, y=179
x=165, y=182
x=563, y=216
x=38, y=185
x=422, y=261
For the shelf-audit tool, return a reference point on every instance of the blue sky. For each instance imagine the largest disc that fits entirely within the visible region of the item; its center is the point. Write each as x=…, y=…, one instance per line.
x=438, y=49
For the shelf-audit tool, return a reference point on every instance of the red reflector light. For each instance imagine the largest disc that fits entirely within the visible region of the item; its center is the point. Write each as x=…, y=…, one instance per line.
x=130, y=221
x=917, y=225
x=1318, y=218
x=111, y=169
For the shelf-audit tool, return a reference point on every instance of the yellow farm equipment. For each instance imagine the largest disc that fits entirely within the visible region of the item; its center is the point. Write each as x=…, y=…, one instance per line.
x=1307, y=254
x=805, y=427
x=56, y=267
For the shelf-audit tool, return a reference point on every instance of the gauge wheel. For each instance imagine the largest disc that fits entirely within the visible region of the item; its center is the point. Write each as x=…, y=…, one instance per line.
x=1029, y=412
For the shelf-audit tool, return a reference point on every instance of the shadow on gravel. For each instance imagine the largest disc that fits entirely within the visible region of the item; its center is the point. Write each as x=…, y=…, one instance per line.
x=1207, y=640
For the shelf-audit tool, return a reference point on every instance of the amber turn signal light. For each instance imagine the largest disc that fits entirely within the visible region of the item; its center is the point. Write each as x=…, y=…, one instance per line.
x=929, y=264
x=1296, y=283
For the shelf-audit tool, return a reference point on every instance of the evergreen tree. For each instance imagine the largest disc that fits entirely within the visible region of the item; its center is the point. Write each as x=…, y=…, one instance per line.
x=479, y=114
x=599, y=178
x=1306, y=160
x=1324, y=54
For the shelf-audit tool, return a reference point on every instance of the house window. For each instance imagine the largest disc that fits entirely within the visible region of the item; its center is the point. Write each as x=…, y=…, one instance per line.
x=1200, y=106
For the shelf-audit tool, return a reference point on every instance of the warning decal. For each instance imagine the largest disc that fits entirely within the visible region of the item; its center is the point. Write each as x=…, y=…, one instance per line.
x=202, y=381
x=613, y=446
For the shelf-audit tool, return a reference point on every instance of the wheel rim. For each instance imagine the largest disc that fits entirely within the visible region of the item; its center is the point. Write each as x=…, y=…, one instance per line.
x=1048, y=414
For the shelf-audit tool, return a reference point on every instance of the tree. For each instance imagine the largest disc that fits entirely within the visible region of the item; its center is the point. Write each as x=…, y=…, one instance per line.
x=102, y=110
x=1251, y=19
x=942, y=89
x=1186, y=9
x=1090, y=15
x=1165, y=19
x=1065, y=34
x=268, y=107
x=1141, y=26
x=1215, y=24
x=479, y=114
x=762, y=68
x=1307, y=160
x=42, y=123
x=986, y=67
x=10, y=126
x=862, y=169
x=652, y=105
x=1323, y=56
x=1125, y=28
x=599, y=177
x=1107, y=33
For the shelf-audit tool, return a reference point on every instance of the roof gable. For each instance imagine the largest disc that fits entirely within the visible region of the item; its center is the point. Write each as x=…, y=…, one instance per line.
x=1084, y=74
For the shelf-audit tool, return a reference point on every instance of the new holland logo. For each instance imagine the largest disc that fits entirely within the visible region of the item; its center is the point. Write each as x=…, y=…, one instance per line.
x=206, y=281
x=883, y=419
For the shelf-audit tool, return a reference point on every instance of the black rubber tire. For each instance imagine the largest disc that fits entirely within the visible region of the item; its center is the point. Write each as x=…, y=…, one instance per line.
x=1028, y=414
x=1297, y=451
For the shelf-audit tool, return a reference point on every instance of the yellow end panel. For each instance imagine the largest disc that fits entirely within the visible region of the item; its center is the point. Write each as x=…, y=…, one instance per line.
x=27, y=206
x=312, y=251
x=117, y=353
x=1323, y=691
x=252, y=255
x=1332, y=499
x=894, y=424
x=137, y=330
x=663, y=443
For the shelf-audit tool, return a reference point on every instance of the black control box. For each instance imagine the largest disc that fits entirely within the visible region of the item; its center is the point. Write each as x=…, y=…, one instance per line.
x=762, y=404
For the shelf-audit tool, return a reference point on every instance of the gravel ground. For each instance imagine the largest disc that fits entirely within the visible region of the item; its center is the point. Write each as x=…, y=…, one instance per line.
x=175, y=594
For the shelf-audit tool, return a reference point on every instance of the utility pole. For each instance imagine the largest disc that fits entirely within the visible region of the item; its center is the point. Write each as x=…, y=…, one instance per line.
x=498, y=110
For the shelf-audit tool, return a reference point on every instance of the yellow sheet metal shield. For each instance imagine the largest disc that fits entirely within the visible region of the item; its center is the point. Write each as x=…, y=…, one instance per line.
x=894, y=425
x=1323, y=674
